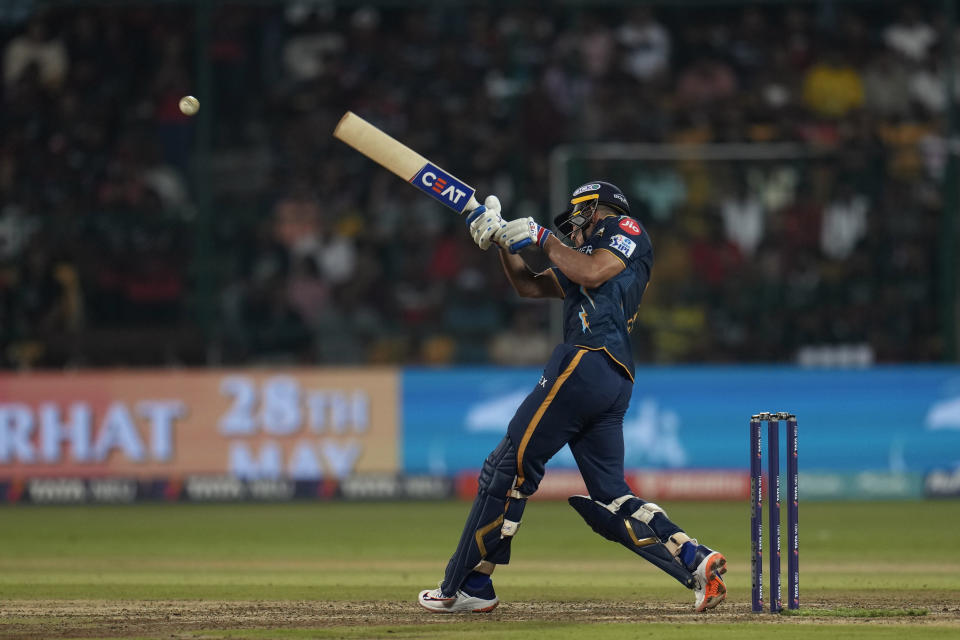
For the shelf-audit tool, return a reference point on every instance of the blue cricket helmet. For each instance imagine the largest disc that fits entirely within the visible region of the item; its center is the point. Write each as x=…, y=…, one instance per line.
x=584, y=201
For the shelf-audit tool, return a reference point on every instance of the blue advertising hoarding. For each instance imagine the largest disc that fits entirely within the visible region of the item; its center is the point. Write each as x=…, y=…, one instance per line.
x=898, y=420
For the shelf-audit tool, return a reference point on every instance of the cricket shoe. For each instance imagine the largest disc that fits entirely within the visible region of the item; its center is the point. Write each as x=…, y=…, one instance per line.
x=708, y=577
x=479, y=600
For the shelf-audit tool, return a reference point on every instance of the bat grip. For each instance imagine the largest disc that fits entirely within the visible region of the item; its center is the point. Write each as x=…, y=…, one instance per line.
x=470, y=206
x=520, y=245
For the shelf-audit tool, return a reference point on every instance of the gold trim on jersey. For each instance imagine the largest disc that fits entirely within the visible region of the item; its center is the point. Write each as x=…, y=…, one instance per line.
x=613, y=254
x=563, y=294
x=605, y=350
x=535, y=420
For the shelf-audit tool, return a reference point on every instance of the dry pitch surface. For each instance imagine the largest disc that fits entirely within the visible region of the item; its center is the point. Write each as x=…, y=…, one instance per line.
x=353, y=571
x=197, y=619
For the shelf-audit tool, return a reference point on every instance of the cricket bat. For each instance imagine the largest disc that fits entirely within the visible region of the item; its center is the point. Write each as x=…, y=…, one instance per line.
x=392, y=154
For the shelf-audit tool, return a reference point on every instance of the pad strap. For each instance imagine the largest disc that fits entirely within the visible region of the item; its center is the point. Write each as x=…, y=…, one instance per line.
x=676, y=541
x=485, y=567
x=646, y=512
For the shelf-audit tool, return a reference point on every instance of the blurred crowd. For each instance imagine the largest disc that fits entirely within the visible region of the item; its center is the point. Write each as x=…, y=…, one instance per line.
x=131, y=234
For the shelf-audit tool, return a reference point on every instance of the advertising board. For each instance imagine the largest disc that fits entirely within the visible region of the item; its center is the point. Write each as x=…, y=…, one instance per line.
x=297, y=424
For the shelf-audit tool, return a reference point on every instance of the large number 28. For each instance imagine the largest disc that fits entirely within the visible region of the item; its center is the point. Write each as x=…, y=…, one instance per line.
x=280, y=411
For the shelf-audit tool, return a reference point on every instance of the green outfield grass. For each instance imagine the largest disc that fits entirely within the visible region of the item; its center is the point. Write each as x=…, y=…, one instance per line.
x=353, y=570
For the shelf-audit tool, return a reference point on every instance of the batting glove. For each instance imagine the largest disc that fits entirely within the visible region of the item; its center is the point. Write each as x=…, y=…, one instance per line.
x=520, y=233
x=485, y=222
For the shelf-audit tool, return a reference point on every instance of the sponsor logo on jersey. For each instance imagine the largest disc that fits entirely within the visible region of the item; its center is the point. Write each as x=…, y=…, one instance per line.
x=587, y=249
x=630, y=226
x=587, y=187
x=441, y=186
x=623, y=244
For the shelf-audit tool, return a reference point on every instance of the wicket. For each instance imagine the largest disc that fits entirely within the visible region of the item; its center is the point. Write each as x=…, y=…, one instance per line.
x=773, y=496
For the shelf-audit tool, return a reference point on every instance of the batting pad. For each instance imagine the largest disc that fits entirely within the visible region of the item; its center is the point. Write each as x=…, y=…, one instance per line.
x=631, y=533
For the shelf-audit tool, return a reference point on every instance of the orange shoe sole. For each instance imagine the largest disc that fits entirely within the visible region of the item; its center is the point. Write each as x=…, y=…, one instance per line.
x=716, y=590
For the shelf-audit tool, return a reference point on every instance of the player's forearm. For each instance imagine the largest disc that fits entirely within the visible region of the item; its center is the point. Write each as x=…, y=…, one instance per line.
x=517, y=273
x=579, y=267
x=526, y=283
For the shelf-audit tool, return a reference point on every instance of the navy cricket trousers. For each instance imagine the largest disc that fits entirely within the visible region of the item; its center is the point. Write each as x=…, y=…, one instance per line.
x=581, y=400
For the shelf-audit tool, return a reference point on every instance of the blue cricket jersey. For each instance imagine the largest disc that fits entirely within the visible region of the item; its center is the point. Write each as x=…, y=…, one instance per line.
x=601, y=319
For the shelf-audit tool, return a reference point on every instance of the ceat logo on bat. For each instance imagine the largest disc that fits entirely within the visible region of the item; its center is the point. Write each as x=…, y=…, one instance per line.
x=441, y=186
x=630, y=226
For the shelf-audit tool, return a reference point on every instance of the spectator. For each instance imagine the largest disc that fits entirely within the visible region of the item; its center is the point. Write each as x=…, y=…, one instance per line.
x=844, y=223
x=928, y=87
x=910, y=36
x=316, y=254
x=522, y=343
x=164, y=182
x=832, y=88
x=313, y=41
x=800, y=222
x=743, y=221
x=647, y=44
x=296, y=220
x=774, y=186
x=715, y=259
x=799, y=37
x=662, y=190
x=337, y=256
x=886, y=86
x=16, y=229
x=36, y=48
x=307, y=293
x=749, y=46
x=704, y=83
x=596, y=47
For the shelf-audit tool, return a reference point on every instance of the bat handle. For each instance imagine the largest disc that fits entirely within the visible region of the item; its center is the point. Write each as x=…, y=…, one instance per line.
x=471, y=205
x=526, y=242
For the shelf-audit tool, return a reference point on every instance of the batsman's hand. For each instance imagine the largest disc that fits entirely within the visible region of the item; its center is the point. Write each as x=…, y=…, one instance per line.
x=485, y=222
x=521, y=233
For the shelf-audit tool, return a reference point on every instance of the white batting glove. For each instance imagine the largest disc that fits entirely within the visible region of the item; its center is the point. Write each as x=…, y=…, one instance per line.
x=520, y=233
x=485, y=222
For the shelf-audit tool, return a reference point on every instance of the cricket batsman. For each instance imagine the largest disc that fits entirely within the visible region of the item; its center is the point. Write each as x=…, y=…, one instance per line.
x=602, y=267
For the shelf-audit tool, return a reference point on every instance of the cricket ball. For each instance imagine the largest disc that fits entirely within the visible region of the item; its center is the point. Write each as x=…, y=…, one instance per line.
x=189, y=105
